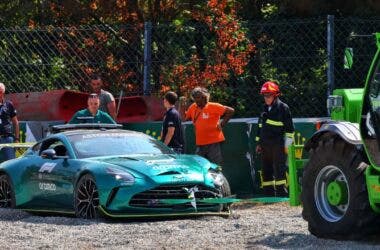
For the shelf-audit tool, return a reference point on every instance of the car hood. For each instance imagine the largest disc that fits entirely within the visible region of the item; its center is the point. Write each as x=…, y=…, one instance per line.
x=155, y=165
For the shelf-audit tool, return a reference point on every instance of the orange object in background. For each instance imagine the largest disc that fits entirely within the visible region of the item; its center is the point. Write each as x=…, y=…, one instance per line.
x=60, y=105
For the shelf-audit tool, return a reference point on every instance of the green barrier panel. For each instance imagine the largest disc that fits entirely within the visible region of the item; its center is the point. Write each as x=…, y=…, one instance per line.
x=238, y=158
x=238, y=149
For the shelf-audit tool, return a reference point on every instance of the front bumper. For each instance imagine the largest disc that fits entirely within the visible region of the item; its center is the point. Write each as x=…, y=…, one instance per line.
x=161, y=215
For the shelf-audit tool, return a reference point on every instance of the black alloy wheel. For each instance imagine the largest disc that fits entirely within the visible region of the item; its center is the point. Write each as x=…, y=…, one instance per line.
x=86, y=198
x=7, y=197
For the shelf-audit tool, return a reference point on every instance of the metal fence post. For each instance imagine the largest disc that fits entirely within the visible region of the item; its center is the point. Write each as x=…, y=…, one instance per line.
x=147, y=56
x=330, y=55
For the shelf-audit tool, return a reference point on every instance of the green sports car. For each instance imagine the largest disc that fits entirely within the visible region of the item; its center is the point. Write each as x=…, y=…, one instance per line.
x=112, y=172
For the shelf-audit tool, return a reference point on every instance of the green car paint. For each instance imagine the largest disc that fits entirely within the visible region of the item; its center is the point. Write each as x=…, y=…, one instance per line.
x=48, y=184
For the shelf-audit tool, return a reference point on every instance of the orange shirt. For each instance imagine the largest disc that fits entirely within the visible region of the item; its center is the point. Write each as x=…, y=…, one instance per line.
x=205, y=121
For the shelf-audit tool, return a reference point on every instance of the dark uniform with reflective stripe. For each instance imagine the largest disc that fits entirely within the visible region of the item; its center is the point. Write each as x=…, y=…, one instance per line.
x=275, y=124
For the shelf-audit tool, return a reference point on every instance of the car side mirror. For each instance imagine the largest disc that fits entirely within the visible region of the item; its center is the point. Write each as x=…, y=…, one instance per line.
x=49, y=153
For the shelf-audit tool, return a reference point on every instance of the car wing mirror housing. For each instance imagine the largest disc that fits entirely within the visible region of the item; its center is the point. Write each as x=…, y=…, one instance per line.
x=49, y=153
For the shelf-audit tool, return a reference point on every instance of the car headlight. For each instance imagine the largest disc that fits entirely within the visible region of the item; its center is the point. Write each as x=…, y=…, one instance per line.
x=217, y=177
x=125, y=177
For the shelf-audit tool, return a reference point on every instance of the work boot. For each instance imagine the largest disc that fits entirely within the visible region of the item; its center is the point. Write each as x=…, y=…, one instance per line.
x=269, y=191
x=282, y=191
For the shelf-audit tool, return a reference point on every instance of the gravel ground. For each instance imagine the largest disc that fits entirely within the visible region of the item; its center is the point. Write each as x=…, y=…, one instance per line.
x=255, y=226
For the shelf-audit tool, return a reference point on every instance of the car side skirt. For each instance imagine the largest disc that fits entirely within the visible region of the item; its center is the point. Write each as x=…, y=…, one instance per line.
x=47, y=211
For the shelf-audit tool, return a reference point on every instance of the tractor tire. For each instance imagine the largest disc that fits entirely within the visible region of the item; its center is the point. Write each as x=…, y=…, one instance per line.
x=334, y=193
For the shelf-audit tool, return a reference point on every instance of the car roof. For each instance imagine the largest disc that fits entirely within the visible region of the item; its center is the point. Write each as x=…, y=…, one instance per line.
x=100, y=131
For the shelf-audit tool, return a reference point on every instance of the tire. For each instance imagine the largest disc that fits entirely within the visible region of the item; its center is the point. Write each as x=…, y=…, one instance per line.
x=332, y=162
x=225, y=191
x=86, y=197
x=7, y=195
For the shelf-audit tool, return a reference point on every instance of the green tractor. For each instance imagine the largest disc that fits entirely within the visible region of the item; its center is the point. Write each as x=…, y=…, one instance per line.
x=336, y=178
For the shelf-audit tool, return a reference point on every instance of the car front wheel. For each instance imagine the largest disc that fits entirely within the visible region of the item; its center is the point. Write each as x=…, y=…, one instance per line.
x=7, y=196
x=86, y=198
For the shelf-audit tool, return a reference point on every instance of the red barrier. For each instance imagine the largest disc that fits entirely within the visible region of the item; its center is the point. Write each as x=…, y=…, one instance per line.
x=62, y=104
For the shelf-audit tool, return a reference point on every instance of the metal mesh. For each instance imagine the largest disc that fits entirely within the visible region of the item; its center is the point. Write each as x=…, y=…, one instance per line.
x=64, y=58
x=357, y=34
x=293, y=52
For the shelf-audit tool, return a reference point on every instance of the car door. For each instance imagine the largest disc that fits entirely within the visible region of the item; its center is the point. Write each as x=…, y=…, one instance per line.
x=52, y=178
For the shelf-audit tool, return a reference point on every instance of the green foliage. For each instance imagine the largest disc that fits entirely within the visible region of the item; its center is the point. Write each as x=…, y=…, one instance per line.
x=269, y=10
x=291, y=52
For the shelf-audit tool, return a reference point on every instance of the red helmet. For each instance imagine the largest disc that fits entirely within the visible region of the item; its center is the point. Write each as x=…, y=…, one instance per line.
x=270, y=88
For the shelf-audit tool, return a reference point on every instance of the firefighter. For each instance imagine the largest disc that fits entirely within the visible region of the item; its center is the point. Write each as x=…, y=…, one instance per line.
x=275, y=134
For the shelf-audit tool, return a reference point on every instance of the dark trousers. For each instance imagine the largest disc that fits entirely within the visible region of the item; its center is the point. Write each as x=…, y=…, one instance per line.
x=211, y=152
x=274, y=169
x=8, y=153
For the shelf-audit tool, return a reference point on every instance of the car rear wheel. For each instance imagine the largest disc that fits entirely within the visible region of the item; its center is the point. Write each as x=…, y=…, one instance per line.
x=86, y=198
x=7, y=196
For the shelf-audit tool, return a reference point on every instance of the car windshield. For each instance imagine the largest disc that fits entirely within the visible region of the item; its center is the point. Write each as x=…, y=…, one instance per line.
x=108, y=144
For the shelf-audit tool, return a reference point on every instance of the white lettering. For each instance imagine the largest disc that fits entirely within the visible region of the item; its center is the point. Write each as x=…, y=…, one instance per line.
x=167, y=167
x=47, y=186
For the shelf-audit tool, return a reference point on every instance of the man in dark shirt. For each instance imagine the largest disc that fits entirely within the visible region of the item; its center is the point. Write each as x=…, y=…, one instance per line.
x=171, y=133
x=9, y=125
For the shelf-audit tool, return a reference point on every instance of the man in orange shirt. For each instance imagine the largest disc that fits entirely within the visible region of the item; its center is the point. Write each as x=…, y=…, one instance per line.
x=206, y=117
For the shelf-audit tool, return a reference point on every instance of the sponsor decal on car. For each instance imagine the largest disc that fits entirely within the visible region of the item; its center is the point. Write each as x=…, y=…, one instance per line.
x=47, y=167
x=47, y=186
x=184, y=169
x=179, y=178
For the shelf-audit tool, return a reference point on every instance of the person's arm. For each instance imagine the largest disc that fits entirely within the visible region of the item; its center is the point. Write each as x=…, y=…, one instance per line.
x=169, y=135
x=107, y=118
x=289, y=128
x=228, y=113
x=257, y=139
x=16, y=128
x=111, y=106
x=73, y=119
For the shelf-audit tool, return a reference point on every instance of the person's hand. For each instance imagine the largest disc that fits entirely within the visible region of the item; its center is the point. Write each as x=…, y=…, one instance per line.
x=258, y=149
x=286, y=150
x=16, y=140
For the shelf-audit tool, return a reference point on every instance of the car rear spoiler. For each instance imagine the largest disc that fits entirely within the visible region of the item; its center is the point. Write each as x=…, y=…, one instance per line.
x=100, y=126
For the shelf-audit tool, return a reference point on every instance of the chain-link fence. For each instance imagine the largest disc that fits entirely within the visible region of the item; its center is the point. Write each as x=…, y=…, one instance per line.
x=64, y=58
x=357, y=34
x=293, y=52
